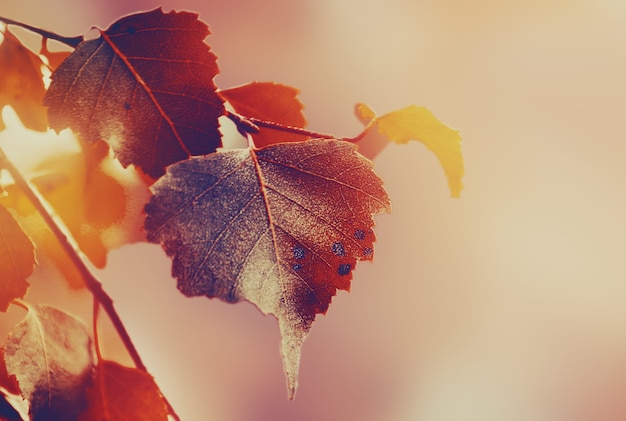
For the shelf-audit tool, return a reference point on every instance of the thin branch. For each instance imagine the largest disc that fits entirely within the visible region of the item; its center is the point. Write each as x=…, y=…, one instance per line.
x=69, y=245
x=251, y=125
x=70, y=41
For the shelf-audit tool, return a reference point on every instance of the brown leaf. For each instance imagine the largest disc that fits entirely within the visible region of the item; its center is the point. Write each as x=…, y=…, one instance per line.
x=281, y=227
x=17, y=259
x=120, y=393
x=50, y=353
x=21, y=82
x=268, y=101
x=146, y=87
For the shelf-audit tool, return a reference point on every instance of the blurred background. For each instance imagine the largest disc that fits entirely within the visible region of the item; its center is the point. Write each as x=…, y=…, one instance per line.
x=505, y=304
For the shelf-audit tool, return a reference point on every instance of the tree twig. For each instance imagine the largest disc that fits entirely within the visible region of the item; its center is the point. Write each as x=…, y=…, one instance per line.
x=251, y=125
x=70, y=41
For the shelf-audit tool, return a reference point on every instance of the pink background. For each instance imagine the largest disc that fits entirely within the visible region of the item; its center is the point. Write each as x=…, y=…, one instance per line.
x=507, y=304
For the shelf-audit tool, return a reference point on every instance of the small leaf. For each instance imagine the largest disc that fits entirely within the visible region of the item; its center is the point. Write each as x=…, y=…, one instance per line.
x=418, y=123
x=17, y=259
x=281, y=227
x=272, y=102
x=146, y=87
x=50, y=353
x=120, y=393
x=21, y=82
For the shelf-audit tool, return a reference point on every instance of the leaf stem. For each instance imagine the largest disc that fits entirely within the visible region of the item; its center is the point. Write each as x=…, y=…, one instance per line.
x=252, y=124
x=70, y=41
x=70, y=246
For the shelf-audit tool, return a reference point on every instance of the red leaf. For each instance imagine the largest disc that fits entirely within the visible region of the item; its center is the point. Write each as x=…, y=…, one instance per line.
x=21, y=82
x=272, y=102
x=50, y=353
x=17, y=259
x=120, y=393
x=146, y=87
x=281, y=227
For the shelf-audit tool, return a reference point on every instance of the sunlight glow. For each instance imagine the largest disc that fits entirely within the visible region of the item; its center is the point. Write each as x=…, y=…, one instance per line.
x=45, y=73
x=27, y=149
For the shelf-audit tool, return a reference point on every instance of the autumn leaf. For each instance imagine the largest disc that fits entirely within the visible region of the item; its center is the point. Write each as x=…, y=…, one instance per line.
x=21, y=82
x=272, y=102
x=418, y=123
x=146, y=87
x=102, y=208
x=50, y=353
x=120, y=393
x=17, y=259
x=281, y=227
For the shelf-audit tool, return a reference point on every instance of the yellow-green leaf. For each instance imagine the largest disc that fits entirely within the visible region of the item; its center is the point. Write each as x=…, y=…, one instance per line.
x=418, y=123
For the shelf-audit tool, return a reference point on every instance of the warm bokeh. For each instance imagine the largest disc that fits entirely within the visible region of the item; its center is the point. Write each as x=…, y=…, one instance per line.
x=505, y=304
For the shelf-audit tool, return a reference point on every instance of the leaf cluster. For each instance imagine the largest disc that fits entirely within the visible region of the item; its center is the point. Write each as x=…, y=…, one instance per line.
x=281, y=223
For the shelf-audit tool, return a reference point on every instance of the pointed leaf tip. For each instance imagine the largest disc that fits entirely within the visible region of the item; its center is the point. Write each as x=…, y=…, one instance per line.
x=418, y=123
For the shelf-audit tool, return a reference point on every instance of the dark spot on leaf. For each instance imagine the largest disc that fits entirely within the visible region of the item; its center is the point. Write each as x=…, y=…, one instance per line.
x=296, y=267
x=131, y=30
x=126, y=106
x=338, y=249
x=359, y=234
x=367, y=252
x=344, y=269
x=298, y=253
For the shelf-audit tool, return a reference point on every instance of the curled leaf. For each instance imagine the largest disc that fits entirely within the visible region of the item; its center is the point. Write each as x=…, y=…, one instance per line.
x=418, y=123
x=21, y=82
x=50, y=353
x=272, y=102
x=145, y=86
x=17, y=259
x=281, y=227
x=120, y=393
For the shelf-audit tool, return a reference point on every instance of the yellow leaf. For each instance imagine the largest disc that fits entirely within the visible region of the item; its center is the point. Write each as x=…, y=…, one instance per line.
x=418, y=123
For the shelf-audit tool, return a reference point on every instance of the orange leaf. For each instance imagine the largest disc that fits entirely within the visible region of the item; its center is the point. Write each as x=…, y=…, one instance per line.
x=17, y=259
x=282, y=227
x=55, y=58
x=418, y=123
x=21, y=82
x=268, y=101
x=145, y=86
x=100, y=210
x=120, y=393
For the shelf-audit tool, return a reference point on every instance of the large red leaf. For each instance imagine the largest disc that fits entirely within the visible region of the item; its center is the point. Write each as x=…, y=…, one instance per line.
x=146, y=87
x=120, y=393
x=21, y=82
x=268, y=101
x=50, y=353
x=17, y=259
x=281, y=227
